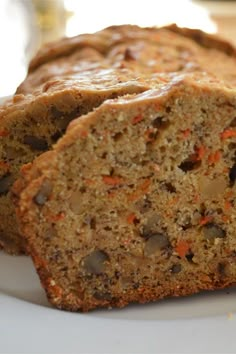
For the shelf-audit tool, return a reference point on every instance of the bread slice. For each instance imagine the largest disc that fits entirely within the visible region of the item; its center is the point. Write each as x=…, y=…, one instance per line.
x=136, y=201
x=70, y=77
x=31, y=124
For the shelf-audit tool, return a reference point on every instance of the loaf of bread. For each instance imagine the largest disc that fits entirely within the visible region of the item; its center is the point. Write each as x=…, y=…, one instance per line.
x=71, y=77
x=136, y=201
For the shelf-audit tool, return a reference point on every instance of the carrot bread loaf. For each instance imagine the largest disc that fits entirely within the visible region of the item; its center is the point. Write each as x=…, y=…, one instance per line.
x=136, y=201
x=70, y=77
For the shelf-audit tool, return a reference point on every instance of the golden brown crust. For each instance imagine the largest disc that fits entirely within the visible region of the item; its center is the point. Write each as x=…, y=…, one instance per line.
x=205, y=39
x=113, y=35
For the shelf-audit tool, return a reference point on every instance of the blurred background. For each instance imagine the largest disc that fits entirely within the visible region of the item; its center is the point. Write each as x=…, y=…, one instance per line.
x=27, y=24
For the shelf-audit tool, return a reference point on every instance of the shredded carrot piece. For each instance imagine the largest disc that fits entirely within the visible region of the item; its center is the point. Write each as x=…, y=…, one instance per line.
x=133, y=196
x=4, y=132
x=228, y=250
x=112, y=181
x=196, y=198
x=137, y=119
x=186, y=133
x=173, y=201
x=141, y=189
x=131, y=218
x=229, y=194
x=169, y=214
x=83, y=133
x=182, y=248
x=228, y=205
x=200, y=152
x=39, y=262
x=158, y=106
x=214, y=157
x=57, y=217
x=225, y=170
x=141, y=290
x=205, y=219
x=228, y=133
x=145, y=185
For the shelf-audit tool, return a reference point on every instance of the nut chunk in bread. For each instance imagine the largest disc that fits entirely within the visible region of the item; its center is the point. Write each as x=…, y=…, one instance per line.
x=136, y=201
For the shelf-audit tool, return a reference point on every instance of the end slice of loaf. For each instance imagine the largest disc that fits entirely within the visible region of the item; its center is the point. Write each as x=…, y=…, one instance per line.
x=136, y=201
x=31, y=124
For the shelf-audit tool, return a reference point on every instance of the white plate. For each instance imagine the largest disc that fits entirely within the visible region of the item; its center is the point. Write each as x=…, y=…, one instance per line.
x=204, y=323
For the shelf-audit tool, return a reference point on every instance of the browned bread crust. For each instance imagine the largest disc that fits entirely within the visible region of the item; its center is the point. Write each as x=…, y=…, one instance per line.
x=113, y=35
x=136, y=201
x=73, y=76
x=205, y=39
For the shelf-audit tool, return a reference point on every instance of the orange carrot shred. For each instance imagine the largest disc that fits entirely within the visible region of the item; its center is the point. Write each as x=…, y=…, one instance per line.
x=225, y=170
x=145, y=185
x=83, y=133
x=131, y=218
x=182, y=248
x=228, y=133
x=39, y=262
x=214, y=157
x=112, y=181
x=173, y=201
x=200, y=152
x=228, y=205
x=133, y=196
x=137, y=119
x=229, y=194
x=141, y=290
x=57, y=217
x=205, y=219
x=141, y=189
x=186, y=133
x=4, y=132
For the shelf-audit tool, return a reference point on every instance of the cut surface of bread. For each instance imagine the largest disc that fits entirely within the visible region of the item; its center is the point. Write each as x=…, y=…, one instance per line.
x=136, y=201
x=71, y=77
x=31, y=126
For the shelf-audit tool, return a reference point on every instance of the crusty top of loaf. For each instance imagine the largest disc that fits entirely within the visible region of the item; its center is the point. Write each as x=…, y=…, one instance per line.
x=128, y=50
x=126, y=58
x=113, y=35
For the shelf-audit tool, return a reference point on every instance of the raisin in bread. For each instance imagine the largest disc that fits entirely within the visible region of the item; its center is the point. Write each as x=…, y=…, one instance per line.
x=70, y=77
x=136, y=201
